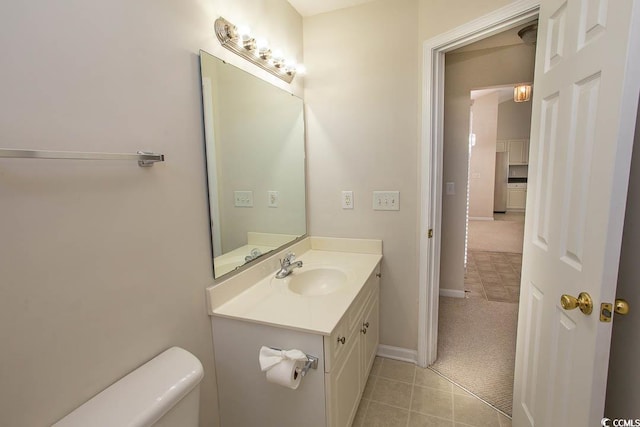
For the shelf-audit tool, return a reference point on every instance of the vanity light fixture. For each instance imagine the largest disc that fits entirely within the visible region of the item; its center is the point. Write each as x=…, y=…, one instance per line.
x=240, y=41
x=521, y=93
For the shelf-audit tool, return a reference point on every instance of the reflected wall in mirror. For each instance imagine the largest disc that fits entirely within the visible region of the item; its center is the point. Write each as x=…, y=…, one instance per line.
x=254, y=137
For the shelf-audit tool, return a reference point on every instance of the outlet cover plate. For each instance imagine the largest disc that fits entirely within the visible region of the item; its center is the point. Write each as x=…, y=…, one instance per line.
x=273, y=198
x=386, y=200
x=347, y=200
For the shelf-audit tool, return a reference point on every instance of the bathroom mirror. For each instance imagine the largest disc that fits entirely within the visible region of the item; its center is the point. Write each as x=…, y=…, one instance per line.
x=254, y=138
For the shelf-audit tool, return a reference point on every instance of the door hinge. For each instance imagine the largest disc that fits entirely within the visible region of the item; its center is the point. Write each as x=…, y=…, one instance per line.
x=430, y=233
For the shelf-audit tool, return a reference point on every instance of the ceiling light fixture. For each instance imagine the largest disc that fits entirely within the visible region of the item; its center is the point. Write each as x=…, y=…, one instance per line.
x=521, y=93
x=241, y=42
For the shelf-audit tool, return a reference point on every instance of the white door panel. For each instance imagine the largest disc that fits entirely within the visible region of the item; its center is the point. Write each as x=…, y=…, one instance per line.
x=585, y=98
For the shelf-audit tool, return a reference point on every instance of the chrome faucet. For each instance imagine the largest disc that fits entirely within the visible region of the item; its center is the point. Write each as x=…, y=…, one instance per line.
x=287, y=265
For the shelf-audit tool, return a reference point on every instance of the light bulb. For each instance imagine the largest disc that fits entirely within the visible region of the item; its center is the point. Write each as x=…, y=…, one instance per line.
x=277, y=58
x=290, y=63
x=244, y=31
x=301, y=69
x=262, y=44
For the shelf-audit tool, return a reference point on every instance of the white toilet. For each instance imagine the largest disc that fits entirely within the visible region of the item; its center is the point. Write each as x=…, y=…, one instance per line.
x=163, y=392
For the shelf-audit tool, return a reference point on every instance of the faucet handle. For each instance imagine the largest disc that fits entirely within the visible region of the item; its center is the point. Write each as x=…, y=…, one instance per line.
x=288, y=258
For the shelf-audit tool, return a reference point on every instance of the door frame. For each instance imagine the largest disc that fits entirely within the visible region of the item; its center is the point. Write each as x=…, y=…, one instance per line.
x=431, y=159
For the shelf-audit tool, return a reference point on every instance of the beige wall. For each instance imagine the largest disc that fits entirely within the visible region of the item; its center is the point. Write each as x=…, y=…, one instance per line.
x=464, y=72
x=514, y=120
x=482, y=164
x=439, y=16
x=362, y=117
x=104, y=264
x=362, y=96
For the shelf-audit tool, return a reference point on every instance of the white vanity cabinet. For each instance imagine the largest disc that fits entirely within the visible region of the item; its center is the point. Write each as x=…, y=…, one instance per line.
x=349, y=355
x=327, y=396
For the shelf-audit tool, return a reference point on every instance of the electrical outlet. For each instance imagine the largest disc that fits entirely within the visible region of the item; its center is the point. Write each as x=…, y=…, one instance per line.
x=386, y=200
x=273, y=198
x=243, y=199
x=347, y=200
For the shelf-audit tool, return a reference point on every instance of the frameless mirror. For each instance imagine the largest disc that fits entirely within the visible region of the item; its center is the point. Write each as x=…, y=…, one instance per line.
x=254, y=138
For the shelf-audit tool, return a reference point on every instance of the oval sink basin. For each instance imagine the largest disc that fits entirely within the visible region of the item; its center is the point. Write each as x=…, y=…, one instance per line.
x=317, y=281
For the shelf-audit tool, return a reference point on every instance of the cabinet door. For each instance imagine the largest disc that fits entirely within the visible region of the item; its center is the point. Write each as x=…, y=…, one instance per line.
x=344, y=384
x=370, y=334
x=516, y=198
x=525, y=154
x=516, y=152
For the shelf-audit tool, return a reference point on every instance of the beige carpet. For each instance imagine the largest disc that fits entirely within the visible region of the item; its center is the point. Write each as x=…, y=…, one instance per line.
x=497, y=236
x=476, y=347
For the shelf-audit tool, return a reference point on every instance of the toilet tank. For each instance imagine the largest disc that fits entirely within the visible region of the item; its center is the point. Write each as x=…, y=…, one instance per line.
x=161, y=393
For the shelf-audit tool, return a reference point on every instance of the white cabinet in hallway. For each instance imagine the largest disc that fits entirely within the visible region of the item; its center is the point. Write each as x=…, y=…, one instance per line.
x=518, y=150
x=516, y=197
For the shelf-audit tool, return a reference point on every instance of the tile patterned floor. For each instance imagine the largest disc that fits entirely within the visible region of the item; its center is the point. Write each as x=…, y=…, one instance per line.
x=401, y=394
x=494, y=276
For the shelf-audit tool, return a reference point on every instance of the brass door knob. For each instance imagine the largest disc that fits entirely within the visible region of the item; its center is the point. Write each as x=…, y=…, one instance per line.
x=621, y=307
x=584, y=302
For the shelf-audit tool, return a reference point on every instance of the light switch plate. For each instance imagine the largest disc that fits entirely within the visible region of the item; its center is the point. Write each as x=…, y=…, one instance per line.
x=273, y=198
x=243, y=199
x=451, y=188
x=386, y=200
x=347, y=200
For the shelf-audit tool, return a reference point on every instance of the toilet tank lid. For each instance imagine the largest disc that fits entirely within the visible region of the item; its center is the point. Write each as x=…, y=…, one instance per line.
x=142, y=397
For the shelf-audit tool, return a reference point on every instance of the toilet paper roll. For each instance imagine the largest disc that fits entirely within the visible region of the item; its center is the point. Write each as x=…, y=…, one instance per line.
x=286, y=373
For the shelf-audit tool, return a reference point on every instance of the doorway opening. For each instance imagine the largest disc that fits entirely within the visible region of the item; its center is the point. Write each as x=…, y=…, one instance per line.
x=448, y=211
x=476, y=346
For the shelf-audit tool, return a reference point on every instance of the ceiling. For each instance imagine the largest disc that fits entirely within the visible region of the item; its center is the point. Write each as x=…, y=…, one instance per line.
x=315, y=7
x=505, y=93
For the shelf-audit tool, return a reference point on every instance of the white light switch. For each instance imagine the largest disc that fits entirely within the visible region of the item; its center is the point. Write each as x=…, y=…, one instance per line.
x=386, y=200
x=347, y=200
x=243, y=199
x=273, y=198
x=451, y=188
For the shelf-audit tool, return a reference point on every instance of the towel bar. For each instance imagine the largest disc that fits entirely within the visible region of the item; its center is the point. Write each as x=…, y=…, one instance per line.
x=144, y=159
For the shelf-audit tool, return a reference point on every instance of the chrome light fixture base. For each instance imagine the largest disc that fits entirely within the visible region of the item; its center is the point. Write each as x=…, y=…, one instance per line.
x=229, y=38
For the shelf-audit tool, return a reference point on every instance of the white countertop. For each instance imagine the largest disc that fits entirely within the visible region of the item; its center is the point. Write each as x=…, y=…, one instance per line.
x=270, y=301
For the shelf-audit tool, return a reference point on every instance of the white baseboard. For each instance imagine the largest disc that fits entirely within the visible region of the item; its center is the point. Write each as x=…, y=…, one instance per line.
x=398, y=353
x=452, y=293
x=480, y=218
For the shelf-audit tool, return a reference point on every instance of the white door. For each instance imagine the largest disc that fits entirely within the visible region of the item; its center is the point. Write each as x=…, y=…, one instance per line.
x=586, y=94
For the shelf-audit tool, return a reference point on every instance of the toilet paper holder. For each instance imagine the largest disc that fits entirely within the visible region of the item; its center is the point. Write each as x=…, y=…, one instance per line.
x=311, y=363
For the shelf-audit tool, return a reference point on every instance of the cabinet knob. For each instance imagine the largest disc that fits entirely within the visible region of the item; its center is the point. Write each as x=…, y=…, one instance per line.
x=378, y=275
x=364, y=331
x=342, y=340
x=366, y=324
